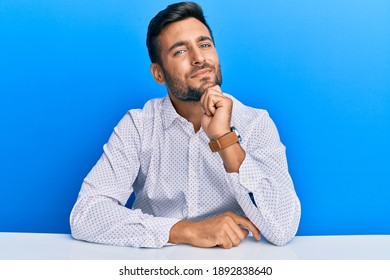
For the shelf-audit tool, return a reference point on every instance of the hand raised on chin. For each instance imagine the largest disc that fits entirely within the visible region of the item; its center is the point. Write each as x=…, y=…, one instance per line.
x=217, y=110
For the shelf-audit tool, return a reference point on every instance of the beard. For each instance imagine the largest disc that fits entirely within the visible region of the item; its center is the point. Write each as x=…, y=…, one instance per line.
x=184, y=92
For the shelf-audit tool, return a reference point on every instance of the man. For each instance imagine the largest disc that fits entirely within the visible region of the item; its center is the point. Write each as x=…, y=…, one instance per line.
x=195, y=180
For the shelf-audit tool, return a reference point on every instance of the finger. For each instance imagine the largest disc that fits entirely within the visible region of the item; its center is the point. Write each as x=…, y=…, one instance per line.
x=235, y=234
x=230, y=234
x=204, y=101
x=240, y=232
x=225, y=242
x=252, y=228
x=244, y=231
x=216, y=89
x=211, y=104
x=248, y=224
x=214, y=102
x=255, y=231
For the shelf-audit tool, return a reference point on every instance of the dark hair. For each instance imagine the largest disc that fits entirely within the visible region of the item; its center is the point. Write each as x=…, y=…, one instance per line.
x=173, y=13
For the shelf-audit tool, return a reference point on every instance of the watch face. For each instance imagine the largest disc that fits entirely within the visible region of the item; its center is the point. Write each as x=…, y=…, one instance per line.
x=236, y=132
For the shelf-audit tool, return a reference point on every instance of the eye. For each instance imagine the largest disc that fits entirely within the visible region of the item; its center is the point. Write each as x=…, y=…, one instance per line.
x=179, y=52
x=205, y=45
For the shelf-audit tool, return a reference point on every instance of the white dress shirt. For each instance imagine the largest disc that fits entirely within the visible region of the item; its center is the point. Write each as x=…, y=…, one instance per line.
x=155, y=153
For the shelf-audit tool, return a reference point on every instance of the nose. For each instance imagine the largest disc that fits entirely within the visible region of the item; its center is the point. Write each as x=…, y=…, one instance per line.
x=197, y=57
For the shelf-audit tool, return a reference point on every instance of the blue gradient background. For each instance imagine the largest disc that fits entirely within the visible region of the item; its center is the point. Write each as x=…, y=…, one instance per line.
x=69, y=70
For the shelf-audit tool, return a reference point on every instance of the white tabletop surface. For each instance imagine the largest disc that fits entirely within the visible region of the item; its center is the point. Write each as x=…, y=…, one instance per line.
x=41, y=246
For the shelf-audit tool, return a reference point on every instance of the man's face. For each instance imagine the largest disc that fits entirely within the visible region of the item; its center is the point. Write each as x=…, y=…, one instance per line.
x=189, y=59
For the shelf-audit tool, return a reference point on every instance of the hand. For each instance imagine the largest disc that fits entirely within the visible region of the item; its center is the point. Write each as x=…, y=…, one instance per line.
x=217, y=110
x=223, y=231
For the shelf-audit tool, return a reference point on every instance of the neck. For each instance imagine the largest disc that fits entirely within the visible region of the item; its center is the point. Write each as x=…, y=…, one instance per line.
x=191, y=111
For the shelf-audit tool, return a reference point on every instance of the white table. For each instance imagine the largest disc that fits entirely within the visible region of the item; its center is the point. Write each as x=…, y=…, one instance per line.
x=40, y=246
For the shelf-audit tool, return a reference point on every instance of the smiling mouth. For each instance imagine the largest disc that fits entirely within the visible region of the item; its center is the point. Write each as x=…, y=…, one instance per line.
x=201, y=73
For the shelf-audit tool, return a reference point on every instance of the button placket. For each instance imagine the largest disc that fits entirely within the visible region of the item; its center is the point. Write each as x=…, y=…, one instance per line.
x=193, y=188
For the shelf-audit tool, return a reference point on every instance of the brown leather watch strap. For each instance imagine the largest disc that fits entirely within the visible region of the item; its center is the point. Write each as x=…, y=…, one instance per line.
x=223, y=142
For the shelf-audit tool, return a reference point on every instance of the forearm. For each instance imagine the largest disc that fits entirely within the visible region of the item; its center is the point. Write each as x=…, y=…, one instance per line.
x=180, y=233
x=104, y=220
x=232, y=157
x=276, y=211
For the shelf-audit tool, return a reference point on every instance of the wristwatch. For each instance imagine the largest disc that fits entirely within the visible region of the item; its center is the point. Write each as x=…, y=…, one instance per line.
x=226, y=140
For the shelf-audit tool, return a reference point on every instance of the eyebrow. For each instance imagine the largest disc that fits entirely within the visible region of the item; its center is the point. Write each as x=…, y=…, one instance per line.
x=184, y=43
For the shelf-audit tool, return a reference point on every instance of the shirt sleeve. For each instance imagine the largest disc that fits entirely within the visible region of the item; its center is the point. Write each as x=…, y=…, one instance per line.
x=263, y=186
x=99, y=214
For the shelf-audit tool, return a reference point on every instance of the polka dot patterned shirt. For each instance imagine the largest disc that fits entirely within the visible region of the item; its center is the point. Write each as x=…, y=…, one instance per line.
x=155, y=153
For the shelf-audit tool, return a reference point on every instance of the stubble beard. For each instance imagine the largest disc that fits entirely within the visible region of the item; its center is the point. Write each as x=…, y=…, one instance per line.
x=183, y=92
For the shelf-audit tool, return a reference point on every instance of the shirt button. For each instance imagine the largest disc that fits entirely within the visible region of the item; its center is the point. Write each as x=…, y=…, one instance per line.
x=192, y=208
x=192, y=173
x=244, y=180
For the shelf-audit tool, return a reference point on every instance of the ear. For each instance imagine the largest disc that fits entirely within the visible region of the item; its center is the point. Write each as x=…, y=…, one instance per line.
x=157, y=73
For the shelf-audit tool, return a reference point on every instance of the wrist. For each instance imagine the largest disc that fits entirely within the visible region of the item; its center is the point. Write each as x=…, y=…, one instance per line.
x=232, y=157
x=219, y=135
x=180, y=232
x=225, y=140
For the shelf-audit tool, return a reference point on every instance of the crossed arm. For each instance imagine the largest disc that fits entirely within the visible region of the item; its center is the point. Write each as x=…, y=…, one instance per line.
x=99, y=215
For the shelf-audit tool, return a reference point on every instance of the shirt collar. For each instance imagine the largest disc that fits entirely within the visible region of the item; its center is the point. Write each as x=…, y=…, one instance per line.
x=169, y=112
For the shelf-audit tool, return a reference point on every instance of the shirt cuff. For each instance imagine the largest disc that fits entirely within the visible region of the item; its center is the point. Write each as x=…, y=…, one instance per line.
x=159, y=228
x=248, y=177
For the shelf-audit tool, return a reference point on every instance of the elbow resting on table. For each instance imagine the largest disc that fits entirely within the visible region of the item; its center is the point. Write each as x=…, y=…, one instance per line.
x=282, y=239
x=286, y=232
x=74, y=228
x=76, y=225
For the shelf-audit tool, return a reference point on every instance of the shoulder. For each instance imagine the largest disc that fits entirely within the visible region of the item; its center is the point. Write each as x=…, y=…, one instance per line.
x=139, y=117
x=245, y=116
x=150, y=110
x=254, y=123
